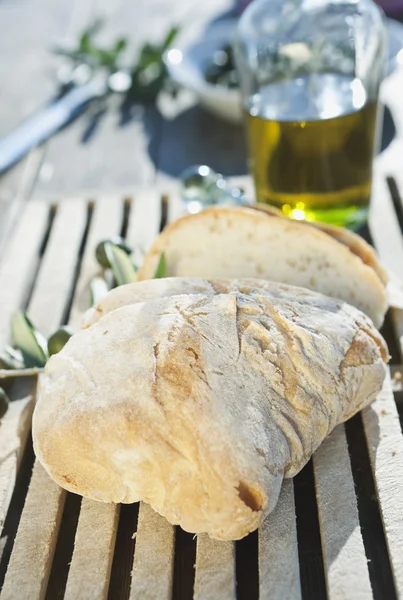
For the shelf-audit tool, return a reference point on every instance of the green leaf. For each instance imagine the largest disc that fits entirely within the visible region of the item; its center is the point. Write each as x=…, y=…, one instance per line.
x=59, y=339
x=171, y=35
x=148, y=55
x=99, y=288
x=13, y=356
x=10, y=359
x=4, y=402
x=95, y=26
x=73, y=54
x=148, y=71
x=161, y=269
x=105, y=58
x=32, y=343
x=121, y=264
x=120, y=46
x=7, y=363
x=85, y=43
x=100, y=253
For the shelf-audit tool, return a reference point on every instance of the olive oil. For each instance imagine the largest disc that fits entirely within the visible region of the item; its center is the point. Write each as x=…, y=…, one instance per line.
x=311, y=142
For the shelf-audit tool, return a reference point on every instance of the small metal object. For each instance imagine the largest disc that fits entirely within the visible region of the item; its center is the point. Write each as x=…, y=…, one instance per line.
x=201, y=187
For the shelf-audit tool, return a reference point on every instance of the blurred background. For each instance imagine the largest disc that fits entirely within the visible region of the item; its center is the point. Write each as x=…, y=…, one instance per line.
x=113, y=144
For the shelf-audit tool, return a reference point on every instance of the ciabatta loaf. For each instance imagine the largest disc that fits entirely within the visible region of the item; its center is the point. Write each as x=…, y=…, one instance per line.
x=241, y=242
x=201, y=403
x=348, y=238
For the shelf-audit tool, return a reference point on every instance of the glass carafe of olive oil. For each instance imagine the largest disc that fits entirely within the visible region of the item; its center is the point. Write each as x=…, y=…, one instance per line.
x=310, y=73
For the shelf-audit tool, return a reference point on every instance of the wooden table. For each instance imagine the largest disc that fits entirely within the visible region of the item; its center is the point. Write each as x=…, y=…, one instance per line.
x=103, y=149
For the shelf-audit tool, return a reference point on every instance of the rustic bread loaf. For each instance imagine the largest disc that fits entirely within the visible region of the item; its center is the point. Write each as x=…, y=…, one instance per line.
x=354, y=242
x=243, y=242
x=141, y=291
x=200, y=403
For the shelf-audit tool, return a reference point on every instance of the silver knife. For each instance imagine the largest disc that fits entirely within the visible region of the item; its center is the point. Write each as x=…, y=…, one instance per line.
x=51, y=118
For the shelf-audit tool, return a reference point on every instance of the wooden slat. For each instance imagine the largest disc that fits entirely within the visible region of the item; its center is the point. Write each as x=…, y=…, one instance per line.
x=18, y=264
x=176, y=208
x=344, y=556
x=385, y=227
x=278, y=550
x=385, y=446
x=34, y=546
x=215, y=569
x=91, y=564
x=15, y=427
x=145, y=217
x=30, y=561
x=153, y=558
x=54, y=281
x=106, y=221
x=22, y=178
x=397, y=319
x=381, y=420
x=90, y=567
x=154, y=551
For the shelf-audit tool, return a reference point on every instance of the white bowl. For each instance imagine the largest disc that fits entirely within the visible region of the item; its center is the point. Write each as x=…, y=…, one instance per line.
x=186, y=66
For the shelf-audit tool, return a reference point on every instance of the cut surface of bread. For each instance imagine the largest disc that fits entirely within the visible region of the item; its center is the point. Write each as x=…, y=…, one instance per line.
x=354, y=242
x=200, y=403
x=238, y=242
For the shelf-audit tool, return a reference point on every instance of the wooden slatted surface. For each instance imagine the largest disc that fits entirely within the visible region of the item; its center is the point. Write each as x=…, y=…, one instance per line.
x=152, y=575
x=278, y=551
x=385, y=445
x=215, y=569
x=30, y=562
x=344, y=557
x=85, y=550
x=15, y=271
x=91, y=563
x=94, y=544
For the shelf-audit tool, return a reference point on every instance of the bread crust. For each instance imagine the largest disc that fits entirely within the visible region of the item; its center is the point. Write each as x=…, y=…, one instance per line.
x=200, y=403
x=243, y=242
x=348, y=238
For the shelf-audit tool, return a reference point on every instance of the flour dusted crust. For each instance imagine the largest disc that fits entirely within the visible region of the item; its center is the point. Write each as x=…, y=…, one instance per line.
x=200, y=403
x=244, y=242
x=141, y=291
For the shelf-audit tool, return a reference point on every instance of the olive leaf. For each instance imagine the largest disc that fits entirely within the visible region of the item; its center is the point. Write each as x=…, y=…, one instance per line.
x=11, y=358
x=87, y=51
x=170, y=37
x=148, y=71
x=4, y=402
x=150, y=74
x=28, y=340
x=100, y=253
x=98, y=288
x=161, y=269
x=121, y=265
